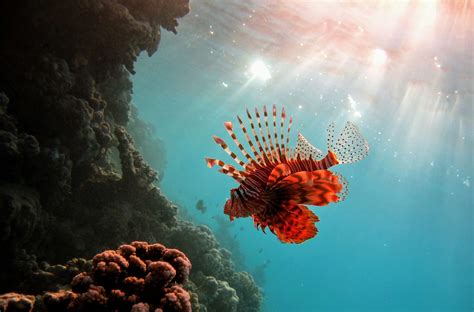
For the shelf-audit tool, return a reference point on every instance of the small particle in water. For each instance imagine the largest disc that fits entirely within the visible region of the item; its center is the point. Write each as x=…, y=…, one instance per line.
x=300, y=106
x=467, y=183
x=225, y=85
x=395, y=154
x=432, y=164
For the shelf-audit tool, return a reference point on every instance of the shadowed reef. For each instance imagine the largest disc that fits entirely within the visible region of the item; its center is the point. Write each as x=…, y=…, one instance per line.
x=72, y=181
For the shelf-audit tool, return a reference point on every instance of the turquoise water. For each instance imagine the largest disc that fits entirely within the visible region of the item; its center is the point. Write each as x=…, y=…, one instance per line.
x=402, y=239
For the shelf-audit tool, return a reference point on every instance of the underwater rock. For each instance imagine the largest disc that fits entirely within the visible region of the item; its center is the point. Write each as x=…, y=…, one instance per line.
x=20, y=214
x=134, y=169
x=146, y=141
x=215, y=294
x=229, y=240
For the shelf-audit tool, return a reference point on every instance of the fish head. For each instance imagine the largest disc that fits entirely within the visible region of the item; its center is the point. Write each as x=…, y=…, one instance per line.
x=234, y=206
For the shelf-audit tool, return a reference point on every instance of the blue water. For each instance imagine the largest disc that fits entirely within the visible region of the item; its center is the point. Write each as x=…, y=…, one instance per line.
x=402, y=239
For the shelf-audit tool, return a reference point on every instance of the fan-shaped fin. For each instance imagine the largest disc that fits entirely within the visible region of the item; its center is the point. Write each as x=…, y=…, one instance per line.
x=319, y=188
x=278, y=173
x=350, y=145
x=273, y=150
x=268, y=150
x=228, y=126
x=249, y=141
x=291, y=223
x=282, y=133
x=307, y=151
x=225, y=147
x=260, y=147
x=278, y=151
x=345, y=186
x=226, y=169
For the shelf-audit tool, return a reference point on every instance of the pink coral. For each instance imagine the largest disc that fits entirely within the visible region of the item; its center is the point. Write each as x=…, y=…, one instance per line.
x=180, y=262
x=13, y=302
x=136, y=277
x=176, y=299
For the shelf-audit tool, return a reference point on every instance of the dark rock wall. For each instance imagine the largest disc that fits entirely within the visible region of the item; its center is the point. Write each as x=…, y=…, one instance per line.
x=64, y=113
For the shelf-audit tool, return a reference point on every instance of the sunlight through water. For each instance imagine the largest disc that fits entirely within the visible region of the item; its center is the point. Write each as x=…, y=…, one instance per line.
x=402, y=71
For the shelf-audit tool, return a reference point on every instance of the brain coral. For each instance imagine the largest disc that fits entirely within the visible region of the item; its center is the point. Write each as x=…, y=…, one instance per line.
x=135, y=277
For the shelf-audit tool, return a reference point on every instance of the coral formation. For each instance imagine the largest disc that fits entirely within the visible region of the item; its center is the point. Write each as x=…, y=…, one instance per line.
x=135, y=277
x=72, y=182
x=13, y=302
x=146, y=141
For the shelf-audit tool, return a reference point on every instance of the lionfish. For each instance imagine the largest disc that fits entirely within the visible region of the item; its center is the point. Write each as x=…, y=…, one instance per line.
x=278, y=181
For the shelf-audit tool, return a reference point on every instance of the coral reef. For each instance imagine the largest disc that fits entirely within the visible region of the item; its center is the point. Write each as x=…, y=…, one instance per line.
x=259, y=273
x=72, y=182
x=135, y=277
x=229, y=240
x=13, y=302
x=146, y=141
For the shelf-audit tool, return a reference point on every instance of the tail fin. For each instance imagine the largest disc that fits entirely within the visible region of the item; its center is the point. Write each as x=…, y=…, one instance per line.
x=350, y=146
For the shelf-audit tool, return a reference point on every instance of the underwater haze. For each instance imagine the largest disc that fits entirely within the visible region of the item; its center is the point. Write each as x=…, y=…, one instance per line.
x=402, y=71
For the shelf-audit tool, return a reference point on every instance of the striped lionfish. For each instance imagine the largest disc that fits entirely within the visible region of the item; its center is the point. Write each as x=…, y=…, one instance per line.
x=278, y=181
